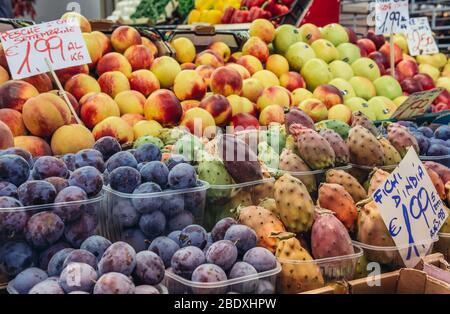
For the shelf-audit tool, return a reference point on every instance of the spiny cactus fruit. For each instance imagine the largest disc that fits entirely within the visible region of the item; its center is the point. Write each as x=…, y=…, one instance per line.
x=294, y=204
x=446, y=226
x=298, y=116
x=437, y=182
x=329, y=237
x=313, y=148
x=297, y=273
x=291, y=162
x=441, y=170
x=350, y=184
x=391, y=155
x=188, y=146
x=338, y=126
x=377, y=178
x=400, y=137
x=269, y=203
x=364, y=147
x=268, y=155
x=264, y=222
x=263, y=190
x=338, y=144
x=213, y=171
x=276, y=137
x=359, y=118
x=335, y=198
x=172, y=135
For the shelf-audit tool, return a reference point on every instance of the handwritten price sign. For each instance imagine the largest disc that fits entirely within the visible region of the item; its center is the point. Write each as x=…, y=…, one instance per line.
x=60, y=42
x=391, y=16
x=416, y=104
x=411, y=208
x=420, y=38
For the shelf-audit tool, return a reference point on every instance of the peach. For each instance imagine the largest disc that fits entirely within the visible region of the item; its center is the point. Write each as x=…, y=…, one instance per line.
x=329, y=95
x=222, y=49
x=70, y=139
x=271, y=114
x=242, y=71
x=72, y=99
x=96, y=108
x=235, y=56
x=140, y=57
x=4, y=75
x=104, y=41
x=6, y=136
x=274, y=95
x=310, y=33
x=262, y=29
x=42, y=82
x=84, y=22
x=82, y=84
x=251, y=63
x=166, y=69
x=189, y=104
x=241, y=104
x=205, y=72
x=132, y=118
x=13, y=119
x=316, y=109
x=124, y=37
x=130, y=102
x=300, y=95
x=144, y=128
x=292, y=81
x=114, y=61
x=44, y=114
x=244, y=121
x=164, y=107
x=188, y=66
x=65, y=74
x=144, y=81
x=256, y=47
x=226, y=81
x=252, y=89
x=189, y=85
x=94, y=48
x=340, y=112
x=113, y=83
x=197, y=120
x=277, y=64
x=184, y=50
x=115, y=127
x=13, y=94
x=150, y=45
x=267, y=78
x=35, y=145
x=209, y=57
x=219, y=107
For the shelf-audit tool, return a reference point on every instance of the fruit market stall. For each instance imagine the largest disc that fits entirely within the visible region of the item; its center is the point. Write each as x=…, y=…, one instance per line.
x=158, y=161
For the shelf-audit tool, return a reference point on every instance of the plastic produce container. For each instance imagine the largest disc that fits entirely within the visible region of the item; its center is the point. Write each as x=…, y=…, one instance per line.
x=332, y=269
x=26, y=246
x=443, y=245
x=222, y=199
x=361, y=173
x=261, y=283
x=389, y=257
x=443, y=160
x=139, y=218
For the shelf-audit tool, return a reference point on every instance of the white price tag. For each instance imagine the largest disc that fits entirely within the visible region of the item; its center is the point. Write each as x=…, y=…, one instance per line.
x=420, y=38
x=411, y=208
x=60, y=42
x=391, y=16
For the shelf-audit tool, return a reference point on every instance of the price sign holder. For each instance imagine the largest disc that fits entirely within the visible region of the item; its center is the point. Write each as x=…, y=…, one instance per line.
x=411, y=208
x=416, y=104
x=420, y=37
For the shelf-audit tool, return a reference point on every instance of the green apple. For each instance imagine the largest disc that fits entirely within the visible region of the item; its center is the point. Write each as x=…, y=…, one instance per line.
x=345, y=88
x=367, y=68
x=325, y=50
x=388, y=86
x=316, y=72
x=309, y=32
x=359, y=104
x=285, y=36
x=363, y=87
x=443, y=82
x=349, y=52
x=341, y=69
x=382, y=107
x=335, y=33
x=298, y=54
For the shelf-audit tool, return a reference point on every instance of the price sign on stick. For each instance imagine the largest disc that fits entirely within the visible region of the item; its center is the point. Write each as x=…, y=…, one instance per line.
x=60, y=42
x=411, y=208
x=391, y=16
x=416, y=104
x=420, y=38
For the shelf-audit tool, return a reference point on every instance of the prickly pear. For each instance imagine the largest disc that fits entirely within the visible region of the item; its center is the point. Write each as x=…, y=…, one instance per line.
x=359, y=118
x=391, y=155
x=276, y=137
x=400, y=137
x=294, y=164
x=441, y=170
x=377, y=178
x=338, y=126
x=268, y=155
x=437, y=182
x=350, y=184
x=298, y=116
x=364, y=148
x=213, y=171
x=338, y=144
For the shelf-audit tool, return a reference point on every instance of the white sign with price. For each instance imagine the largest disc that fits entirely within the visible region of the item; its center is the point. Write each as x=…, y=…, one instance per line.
x=391, y=16
x=411, y=208
x=420, y=38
